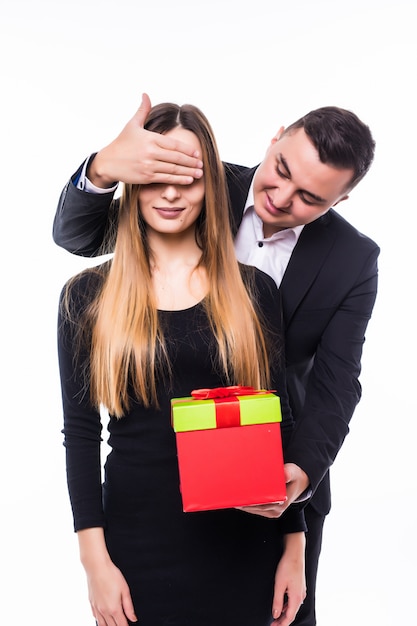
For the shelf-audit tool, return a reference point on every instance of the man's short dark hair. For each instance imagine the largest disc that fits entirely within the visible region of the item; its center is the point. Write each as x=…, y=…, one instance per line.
x=341, y=139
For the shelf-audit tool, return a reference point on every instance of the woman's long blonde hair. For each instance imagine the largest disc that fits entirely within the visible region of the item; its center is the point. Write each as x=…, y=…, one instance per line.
x=127, y=341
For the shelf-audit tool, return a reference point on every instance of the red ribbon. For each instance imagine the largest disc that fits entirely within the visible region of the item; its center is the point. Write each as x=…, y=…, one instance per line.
x=227, y=405
x=223, y=392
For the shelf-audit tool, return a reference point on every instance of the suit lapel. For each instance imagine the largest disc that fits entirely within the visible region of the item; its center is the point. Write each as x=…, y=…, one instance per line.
x=315, y=242
x=239, y=179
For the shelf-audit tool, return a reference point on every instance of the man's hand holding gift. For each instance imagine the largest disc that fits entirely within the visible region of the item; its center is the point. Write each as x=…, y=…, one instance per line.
x=297, y=484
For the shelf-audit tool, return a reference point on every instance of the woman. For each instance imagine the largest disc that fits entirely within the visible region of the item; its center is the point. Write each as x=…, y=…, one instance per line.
x=171, y=312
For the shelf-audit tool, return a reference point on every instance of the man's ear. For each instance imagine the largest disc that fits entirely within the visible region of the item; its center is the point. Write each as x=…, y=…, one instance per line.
x=277, y=135
x=341, y=199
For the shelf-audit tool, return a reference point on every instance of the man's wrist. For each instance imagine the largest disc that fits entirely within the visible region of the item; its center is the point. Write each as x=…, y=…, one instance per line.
x=85, y=184
x=96, y=176
x=91, y=188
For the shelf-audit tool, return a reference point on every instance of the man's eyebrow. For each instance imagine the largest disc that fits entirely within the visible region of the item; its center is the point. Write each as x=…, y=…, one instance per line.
x=285, y=164
x=305, y=191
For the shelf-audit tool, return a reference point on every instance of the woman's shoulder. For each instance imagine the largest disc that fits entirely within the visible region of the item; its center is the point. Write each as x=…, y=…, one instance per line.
x=79, y=291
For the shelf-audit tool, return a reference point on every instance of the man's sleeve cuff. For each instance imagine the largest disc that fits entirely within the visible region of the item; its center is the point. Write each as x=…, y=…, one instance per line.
x=306, y=495
x=83, y=183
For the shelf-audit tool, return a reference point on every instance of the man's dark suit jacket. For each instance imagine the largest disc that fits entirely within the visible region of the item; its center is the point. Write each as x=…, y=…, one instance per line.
x=328, y=292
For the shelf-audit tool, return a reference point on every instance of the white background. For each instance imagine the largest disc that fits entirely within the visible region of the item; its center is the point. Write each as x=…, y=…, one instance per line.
x=72, y=74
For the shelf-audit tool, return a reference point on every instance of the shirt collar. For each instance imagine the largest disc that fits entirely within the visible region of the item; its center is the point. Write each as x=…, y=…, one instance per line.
x=249, y=200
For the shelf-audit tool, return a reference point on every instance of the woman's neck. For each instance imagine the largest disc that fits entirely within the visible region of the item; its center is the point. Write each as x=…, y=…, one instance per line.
x=177, y=280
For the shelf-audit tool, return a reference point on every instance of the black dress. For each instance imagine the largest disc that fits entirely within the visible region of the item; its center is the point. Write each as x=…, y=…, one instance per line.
x=213, y=568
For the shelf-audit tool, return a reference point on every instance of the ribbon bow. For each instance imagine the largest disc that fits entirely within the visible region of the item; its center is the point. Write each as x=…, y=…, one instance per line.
x=223, y=392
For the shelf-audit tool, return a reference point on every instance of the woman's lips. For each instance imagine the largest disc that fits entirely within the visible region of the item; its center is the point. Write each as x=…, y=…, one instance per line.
x=168, y=212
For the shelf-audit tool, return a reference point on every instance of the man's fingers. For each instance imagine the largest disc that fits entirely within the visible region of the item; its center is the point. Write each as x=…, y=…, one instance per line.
x=175, y=151
x=182, y=166
x=173, y=179
x=273, y=510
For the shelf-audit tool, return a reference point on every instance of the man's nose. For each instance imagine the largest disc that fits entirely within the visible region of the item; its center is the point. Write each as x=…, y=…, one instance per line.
x=171, y=192
x=283, y=195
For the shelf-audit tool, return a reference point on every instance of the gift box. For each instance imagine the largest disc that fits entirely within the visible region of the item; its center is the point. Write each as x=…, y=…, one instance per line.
x=229, y=448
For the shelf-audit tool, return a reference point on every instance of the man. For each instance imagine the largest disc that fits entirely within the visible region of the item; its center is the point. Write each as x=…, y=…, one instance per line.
x=285, y=224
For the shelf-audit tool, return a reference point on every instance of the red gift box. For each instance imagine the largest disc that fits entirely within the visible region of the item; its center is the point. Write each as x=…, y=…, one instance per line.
x=229, y=448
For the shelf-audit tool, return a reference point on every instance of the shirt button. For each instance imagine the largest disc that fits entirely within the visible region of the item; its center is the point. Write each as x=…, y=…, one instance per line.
x=260, y=244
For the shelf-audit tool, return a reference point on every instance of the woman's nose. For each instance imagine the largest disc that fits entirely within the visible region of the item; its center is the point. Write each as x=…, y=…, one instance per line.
x=171, y=192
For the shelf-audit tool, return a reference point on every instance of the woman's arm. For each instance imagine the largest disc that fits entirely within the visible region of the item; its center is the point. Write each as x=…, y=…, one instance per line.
x=290, y=582
x=108, y=592
x=82, y=424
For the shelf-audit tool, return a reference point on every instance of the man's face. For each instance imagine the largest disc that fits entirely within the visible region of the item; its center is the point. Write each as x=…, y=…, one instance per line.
x=292, y=186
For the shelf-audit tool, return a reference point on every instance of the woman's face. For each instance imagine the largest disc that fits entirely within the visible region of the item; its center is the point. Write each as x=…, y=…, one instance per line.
x=173, y=209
